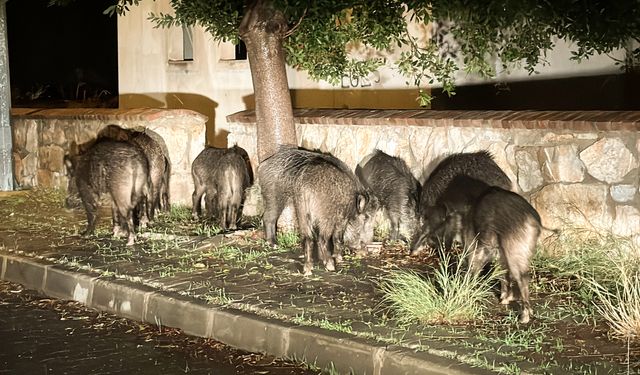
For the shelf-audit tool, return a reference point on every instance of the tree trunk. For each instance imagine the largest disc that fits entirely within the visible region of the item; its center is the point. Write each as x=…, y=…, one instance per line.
x=6, y=165
x=263, y=30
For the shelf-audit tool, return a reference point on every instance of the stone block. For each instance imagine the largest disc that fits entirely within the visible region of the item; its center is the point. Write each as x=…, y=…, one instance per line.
x=21, y=271
x=53, y=133
x=44, y=179
x=561, y=164
x=627, y=221
x=250, y=332
x=529, y=176
x=582, y=205
x=120, y=297
x=324, y=348
x=608, y=160
x=51, y=158
x=623, y=193
x=63, y=284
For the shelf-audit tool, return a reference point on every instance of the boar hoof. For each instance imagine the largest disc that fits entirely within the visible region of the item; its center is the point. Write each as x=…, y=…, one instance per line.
x=117, y=231
x=330, y=265
x=307, y=269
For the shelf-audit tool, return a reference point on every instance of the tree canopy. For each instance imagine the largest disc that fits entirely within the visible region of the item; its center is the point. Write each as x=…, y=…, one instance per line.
x=330, y=39
x=322, y=33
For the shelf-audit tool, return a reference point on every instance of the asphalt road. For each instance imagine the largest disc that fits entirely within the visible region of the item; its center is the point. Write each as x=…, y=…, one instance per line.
x=39, y=335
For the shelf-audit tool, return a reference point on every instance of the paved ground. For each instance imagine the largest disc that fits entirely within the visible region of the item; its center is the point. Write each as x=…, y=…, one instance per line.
x=236, y=290
x=41, y=335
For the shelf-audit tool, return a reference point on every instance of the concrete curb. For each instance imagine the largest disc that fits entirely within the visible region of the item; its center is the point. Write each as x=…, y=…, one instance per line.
x=233, y=327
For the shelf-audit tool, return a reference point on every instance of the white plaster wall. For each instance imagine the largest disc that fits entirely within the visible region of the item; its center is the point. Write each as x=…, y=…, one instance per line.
x=143, y=68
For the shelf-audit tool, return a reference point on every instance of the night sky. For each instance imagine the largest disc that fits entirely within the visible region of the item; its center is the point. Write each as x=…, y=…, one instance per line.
x=72, y=50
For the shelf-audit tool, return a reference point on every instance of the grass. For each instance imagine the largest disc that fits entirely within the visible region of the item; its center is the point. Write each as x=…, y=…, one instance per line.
x=207, y=230
x=599, y=269
x=288, y=240
x=578, y=254
x=451, y=294
x=564, y=266
x=179, y=213
x=219, y=297
x=620, y=306
x=323, y=323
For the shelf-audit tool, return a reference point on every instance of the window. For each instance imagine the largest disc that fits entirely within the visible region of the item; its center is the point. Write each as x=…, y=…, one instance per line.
x=180, y=44
x=231, y=52
x=187, y=43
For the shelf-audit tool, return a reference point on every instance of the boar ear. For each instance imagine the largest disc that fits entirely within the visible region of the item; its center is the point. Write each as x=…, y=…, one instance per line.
x=361, y=202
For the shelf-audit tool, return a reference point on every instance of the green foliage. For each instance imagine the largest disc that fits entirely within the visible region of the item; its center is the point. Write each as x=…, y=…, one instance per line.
x=288, y=240
x=524, y=30
x=324, y=34
x=219, y=18
x=179, y=213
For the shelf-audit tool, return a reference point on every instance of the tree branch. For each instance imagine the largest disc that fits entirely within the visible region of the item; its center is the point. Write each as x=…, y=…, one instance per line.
x=292, y=29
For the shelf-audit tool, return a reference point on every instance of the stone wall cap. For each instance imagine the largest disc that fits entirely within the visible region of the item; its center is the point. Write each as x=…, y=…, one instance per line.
x=529, y=119
x=135, y=114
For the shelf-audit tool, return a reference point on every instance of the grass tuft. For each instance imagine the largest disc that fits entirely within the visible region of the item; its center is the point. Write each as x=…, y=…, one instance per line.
x=579, y=254
x=620, y=305
x=179, y=213
x=207, y=230
x=288, y=240
x=451, y=295
x=600, y=269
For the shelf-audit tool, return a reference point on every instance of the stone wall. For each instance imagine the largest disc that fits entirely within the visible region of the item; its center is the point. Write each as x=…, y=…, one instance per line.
x=41, y=138
x=578, y=168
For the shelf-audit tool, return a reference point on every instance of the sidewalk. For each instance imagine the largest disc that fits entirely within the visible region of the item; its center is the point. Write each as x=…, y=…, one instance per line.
x=234, y=289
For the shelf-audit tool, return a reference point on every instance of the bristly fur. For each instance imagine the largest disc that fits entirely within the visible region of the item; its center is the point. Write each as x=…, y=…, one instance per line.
x=222, y=176
x=479, y=165
x=327, y=197
x=397, y=190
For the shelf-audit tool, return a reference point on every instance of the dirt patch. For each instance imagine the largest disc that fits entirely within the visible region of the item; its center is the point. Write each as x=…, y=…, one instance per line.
x=239, y=270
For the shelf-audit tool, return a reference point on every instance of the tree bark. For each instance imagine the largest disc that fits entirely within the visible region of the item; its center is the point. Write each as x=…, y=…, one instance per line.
x=263, y=30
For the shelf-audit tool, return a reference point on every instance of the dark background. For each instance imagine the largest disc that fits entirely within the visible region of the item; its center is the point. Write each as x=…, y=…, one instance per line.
x=602, y=92
x=62, y=56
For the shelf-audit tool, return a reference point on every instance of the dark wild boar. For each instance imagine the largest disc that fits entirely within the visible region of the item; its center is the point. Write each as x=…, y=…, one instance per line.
x=478, y=165
x=159, y=165
x=327, y=197
x=118, y=170
x=395, y=187
x=495, y=223
x=221, y=176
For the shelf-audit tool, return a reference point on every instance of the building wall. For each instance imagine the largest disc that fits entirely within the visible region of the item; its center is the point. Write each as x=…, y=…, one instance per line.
x=217, y=88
